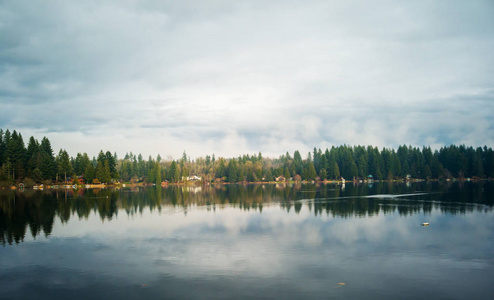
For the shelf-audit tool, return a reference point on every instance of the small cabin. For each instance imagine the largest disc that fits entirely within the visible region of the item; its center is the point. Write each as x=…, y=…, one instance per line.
x=281, y=178
x=194, y=178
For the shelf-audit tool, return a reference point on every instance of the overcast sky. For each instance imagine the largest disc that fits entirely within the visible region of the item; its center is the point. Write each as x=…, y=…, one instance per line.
x=238, y=77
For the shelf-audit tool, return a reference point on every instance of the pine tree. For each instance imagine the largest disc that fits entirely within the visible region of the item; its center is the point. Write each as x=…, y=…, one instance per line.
x=64, y=165
x=3, y=146
x=78, y=167
x=151, y=177
x=304, y=173
x=103, y=171
x=176, y=176
x=336, y=170
x=221, y=169
x=268, y=176
x=332, y=168
x=403, y=158
x=16, y=154
x=32, y=156
x=286, y=174
x=488, y=159
x=100, y=171
x=323, y=163
x=232, y=171
x=157, y=173
x=362, y=165
x=297, y=162
x=437, y=168
x=89, y=173
x=241, y=173
x=107, y=174
x=427, y=172
x=311, y=172
x=112, y=164
x=316, y=159
x=323, y=174
x=172, y=171
x=258, y=171
x=141, y=166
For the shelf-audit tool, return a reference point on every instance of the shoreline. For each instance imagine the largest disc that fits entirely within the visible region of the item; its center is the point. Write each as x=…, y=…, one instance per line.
x=144, y=184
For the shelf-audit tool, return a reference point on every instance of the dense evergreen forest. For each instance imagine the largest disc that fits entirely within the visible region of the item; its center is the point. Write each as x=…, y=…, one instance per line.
x=37, y=163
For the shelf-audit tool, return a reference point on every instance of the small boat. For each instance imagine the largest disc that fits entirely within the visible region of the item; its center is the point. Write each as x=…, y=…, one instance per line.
x=425, y=224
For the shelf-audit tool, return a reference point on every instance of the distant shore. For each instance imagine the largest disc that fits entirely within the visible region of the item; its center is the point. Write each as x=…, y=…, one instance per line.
x=201, y=183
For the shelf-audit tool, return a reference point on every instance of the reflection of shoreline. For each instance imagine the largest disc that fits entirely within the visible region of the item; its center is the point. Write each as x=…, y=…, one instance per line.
x=36, y=210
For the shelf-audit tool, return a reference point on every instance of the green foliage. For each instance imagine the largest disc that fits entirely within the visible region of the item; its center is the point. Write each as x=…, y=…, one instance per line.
x=28, y=182
x=221, y=169
x=37, y=175
x=323, y=174
x=233, y=171
x=268, y=176
x=16, y=154
x=89, y=173
x=172, y=171
x=37, y=162
x=176, y=175
x=311, y=172
x=47, y=161
x=32, y=156
x=64, y=165
x=286, y=174
x=157, y=173
x=297, y=162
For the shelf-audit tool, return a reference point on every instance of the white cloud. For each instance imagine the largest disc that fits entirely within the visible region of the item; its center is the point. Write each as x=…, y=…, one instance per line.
x=271, y=76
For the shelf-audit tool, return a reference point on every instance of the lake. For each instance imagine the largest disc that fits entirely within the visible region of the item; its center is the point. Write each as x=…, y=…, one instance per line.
x=255, y=241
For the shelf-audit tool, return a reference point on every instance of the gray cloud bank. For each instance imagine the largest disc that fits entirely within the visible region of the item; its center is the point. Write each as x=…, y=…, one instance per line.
x=231, y=77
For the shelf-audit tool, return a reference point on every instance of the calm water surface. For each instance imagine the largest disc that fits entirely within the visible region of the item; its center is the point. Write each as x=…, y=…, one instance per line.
x=256, y=241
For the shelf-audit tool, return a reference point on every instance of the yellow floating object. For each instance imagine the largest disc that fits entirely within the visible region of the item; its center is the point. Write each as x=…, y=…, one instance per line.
x=425, y=224
x=341, y=283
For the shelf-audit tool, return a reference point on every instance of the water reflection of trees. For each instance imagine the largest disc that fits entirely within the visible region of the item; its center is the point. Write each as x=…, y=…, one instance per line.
x=36, y=211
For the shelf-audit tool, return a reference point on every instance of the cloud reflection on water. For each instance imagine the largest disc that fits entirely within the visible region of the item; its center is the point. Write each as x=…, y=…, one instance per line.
x=277, y=252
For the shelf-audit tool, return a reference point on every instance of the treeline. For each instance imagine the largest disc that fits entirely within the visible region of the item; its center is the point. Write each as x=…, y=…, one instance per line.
x=38, y=163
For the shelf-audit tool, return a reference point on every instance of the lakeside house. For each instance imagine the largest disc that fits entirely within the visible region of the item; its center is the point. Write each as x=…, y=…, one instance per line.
x=192, y=178
x=280, y=178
